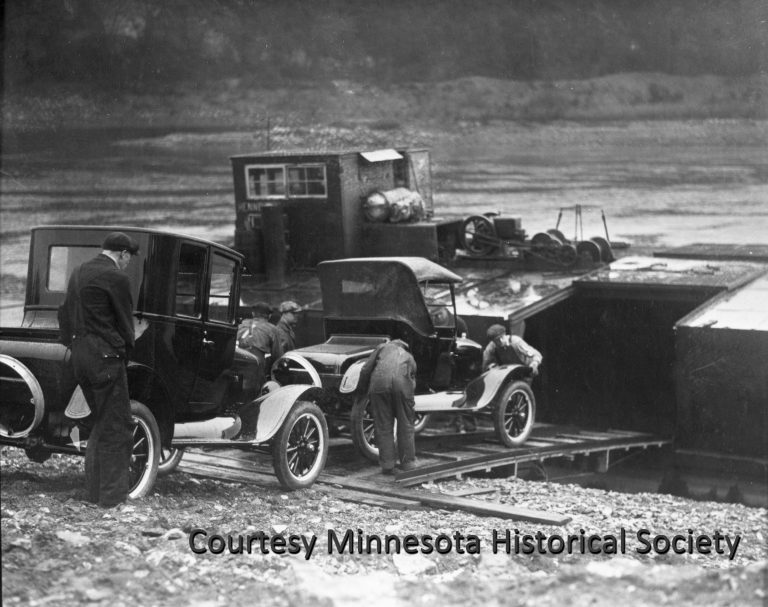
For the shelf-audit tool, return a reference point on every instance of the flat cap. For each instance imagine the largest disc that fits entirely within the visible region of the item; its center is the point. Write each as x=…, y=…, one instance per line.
x=262, y=308
x=289, y=306
x=495, y=331
x=119, y=241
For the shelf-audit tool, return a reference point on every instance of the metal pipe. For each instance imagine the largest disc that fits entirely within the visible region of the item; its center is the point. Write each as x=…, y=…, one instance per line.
x=605, y=225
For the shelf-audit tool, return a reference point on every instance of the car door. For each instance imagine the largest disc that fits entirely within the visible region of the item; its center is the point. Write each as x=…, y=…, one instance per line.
x=186, y=332
x=218, y=333
x=439, y=298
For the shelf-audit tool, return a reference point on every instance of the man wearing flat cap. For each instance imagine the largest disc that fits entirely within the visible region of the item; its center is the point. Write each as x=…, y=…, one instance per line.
x=96, y=321
x=289, y=318
x=503, y=349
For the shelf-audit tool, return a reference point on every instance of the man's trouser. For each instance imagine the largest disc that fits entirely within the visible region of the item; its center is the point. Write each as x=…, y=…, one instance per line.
x=107, y=457
x=253, y=381
x=386, y=407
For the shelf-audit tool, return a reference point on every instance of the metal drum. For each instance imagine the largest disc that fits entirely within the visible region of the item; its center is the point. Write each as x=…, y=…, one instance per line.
x=396, y=206
x=376, y=207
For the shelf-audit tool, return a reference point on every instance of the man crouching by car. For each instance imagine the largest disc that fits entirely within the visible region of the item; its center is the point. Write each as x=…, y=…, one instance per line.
x=503, y=349
x=390, y=377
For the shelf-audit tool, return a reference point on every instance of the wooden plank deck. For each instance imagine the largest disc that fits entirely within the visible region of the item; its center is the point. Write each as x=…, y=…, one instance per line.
x=546, y=442
x=441, y=455
x=254, y=468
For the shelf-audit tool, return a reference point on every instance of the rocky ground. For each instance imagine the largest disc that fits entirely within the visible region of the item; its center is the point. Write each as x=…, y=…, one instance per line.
x=56, y=550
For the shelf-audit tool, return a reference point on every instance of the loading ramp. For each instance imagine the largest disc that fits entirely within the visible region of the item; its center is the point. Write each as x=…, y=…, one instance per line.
x=481, y=452
x=442, y=455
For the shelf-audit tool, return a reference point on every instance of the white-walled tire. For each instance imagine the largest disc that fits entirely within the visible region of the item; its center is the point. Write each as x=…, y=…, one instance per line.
x=514, y=414
x=300, y=447
x=145, y=452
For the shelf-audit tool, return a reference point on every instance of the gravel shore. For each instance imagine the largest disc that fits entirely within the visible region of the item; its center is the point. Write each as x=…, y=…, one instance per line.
x=56, y=550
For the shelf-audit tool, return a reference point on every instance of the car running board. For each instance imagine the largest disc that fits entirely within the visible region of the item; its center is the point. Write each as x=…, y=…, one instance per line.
x=447, y=400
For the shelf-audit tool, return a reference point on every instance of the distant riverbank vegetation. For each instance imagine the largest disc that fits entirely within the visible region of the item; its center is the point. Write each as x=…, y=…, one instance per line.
x=132, y=43
x=237, y=61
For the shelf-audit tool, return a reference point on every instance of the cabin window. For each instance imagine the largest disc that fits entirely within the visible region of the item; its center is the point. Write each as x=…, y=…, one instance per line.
x=265, y=182
x=306, y=181
x=286, y=181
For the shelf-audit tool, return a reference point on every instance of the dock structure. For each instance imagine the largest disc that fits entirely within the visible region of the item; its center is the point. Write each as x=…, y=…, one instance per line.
x=722, y=252
x=722, y=374
x=640, y=344
x=547, y=442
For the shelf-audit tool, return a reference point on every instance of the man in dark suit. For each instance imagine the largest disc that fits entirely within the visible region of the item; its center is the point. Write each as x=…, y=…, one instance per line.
x=96, y=320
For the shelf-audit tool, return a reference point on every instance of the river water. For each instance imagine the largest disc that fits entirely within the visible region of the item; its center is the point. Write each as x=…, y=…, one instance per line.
x=660, y=184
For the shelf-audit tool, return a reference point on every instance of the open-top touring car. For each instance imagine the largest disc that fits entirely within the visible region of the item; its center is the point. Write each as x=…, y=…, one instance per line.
x=367, y=301
x=188, y=383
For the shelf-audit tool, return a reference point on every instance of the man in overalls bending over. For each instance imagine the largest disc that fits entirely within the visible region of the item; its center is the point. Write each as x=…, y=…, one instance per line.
x=392, y=372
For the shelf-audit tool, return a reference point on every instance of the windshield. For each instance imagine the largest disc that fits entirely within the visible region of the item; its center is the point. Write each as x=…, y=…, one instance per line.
x=437, y=296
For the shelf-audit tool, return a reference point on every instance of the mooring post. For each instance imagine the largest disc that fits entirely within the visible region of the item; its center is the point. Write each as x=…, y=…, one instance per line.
x=273, y=229
x=603, y=461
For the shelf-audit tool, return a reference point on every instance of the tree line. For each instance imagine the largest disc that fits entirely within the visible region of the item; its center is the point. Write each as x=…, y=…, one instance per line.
x=141, y=43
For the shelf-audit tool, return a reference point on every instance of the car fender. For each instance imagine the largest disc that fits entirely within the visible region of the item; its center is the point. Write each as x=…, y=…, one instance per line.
x=261, y=418
x=485, y=389
x=351, y=377
x=303, y=363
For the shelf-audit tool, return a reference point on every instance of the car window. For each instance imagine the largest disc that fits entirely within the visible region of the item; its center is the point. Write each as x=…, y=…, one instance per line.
x=437, y=296
x=62, y=260
x=189, y=280
x=357, y=286
x=221, y=293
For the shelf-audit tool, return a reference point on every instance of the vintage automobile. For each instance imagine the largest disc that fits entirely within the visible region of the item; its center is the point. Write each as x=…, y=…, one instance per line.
x=188, y=384
x=367, y=301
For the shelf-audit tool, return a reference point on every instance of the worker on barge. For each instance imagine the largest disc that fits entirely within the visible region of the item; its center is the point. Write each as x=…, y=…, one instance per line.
x=504, y=349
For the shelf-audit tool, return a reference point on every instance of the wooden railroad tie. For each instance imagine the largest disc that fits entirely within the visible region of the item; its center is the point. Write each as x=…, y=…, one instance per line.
x=242, y=468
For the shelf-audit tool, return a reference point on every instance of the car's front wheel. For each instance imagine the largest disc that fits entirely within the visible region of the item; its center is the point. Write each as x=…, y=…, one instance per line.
x=514, y=414
x=145, y=453
x=300, y=447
